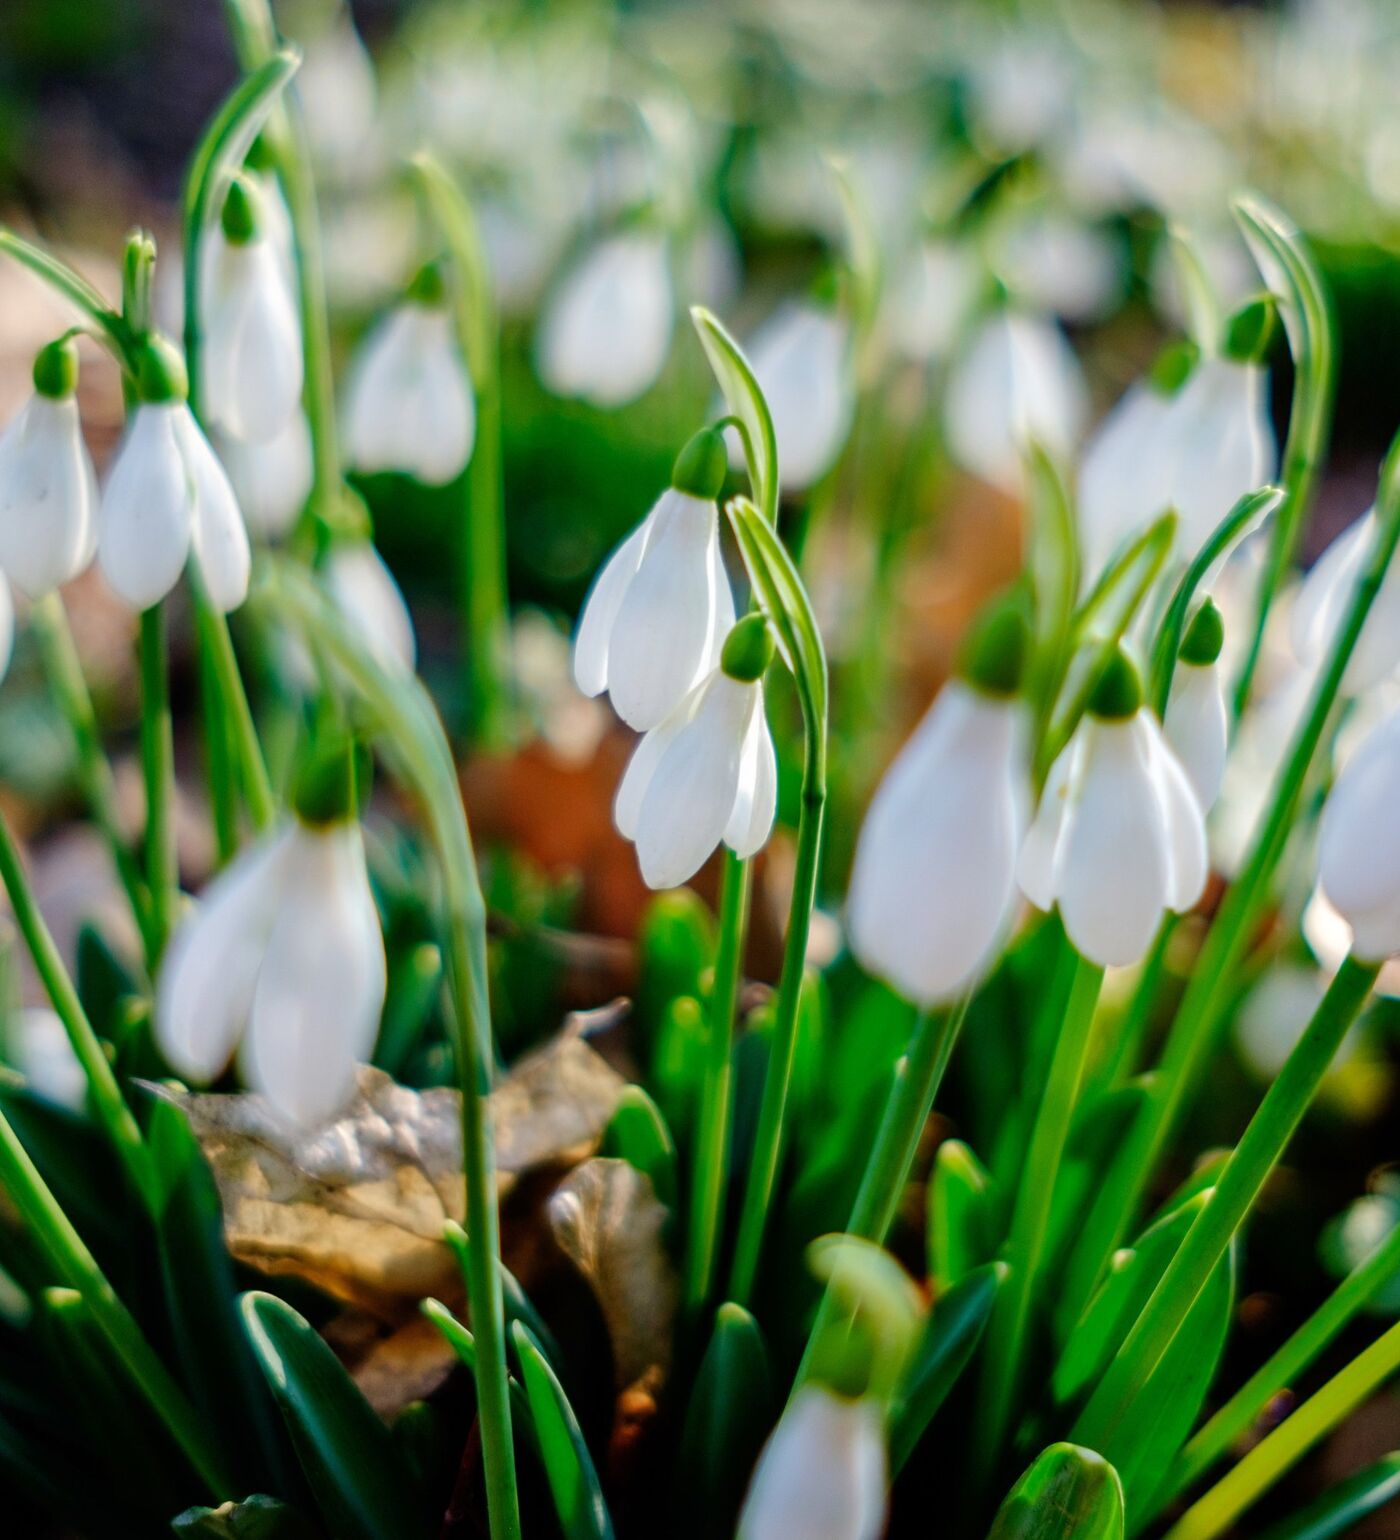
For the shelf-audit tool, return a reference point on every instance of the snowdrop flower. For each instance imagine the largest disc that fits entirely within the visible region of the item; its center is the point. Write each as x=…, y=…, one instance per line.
x=801, y=359
x=364, y=591
x=1018, y=382
x=272, y=480
x=1197, y=723
x=251, y=361
x=410, y=406
x=933, y=298
x=48, y=493
x=660, y=609
x=39, y=1048
x=167, y=499
x=606, y=329
x=1359, y=844
x=708, y=772
x=1060, y=264
x=934, y=879
x=822, y=1474
x=1119, y=837
x=1325, y=598
x=285, y=953
x=336, y=84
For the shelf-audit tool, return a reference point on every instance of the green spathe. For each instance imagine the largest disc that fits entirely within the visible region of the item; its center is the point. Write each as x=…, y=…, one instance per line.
x=56, y=369
x=1118, y=693
x=241, y=216
x=161, y=372
x=702, y=465
x=995, y=650
x=324, y=790
x=748, y=650
x=1205, y=636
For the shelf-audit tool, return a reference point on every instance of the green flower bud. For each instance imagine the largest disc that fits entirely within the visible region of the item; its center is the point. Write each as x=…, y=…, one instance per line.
x=702, y=465
x=1118, y=693
x=1205, y=636
x=161, y=372
x=428, y=286
x=56, y=369
x=1173, y=366
x=1249, y=333
x=325, y=783
x=748, y=650
x=994, y=652
x=241, y=218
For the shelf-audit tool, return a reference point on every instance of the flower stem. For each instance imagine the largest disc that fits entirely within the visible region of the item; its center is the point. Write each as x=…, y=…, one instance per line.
x=71, y=1261
x=711, y=1164
x=158, y=771
x=107, y=1100
x=1238, y=1185
x=768, y=1137
x=485, y=607
x=232, y=700
x=49, y=622
x=415, y=742
x=1030, y=1220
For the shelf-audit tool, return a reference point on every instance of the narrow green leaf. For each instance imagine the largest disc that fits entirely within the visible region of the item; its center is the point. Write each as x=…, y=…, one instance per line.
x=1054, y=573
x=1068, y=1494
x=355, y=1472
x=414, y=985
x=950, y=1339
x=464, y=1345
x=637, y=1133
x=677, y=946
x=255, y=1518
x=960, y=1214
x=1345, y=1505
x=573, y=1481
x=744, y=398
x=79, y=293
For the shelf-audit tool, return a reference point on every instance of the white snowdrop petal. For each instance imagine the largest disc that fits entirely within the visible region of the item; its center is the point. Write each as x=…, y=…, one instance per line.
x=636, y=779
x=591, y=646
x=220, y=539
x=210, y=968
x=822, y=1475
x=271, y=480
x=800, y=361
x=1038, y=866
x=659, y=638
x=1359, y=841
x=251, y=365
x=722, y=606
x=1197, y=728
x=364, y=591
x=1123, y=485
x=756, y=801
x=44, y=1055
x=147, y=511
x=1182, y=816
x=48, y=505
x=1327, y=588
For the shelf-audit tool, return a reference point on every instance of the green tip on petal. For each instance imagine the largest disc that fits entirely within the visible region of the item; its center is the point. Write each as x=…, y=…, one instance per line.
x=702, y=465
x=1205, y=636
x=241, y=216
x=428, y=286
x=56, y=369
x=1173, y=366
x=995, y=649
x=1118, y=693
x=161, y=373
x=748, y=650
x=1249, y=333
x=325, y=783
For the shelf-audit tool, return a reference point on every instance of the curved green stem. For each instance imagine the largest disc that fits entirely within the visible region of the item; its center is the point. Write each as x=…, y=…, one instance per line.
x=106, y=324
x=414, y=741
x=485, y=604
x=237, y=713
x=710, y=1169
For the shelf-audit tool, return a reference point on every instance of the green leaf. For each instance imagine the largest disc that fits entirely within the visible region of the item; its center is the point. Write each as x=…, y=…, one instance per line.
x=354, y=1469
x=1054, y=575
x=1345, y=1505
x=464, y=1345
x=863, y=263
x=573, y=1481
x=677, y=947
x=255, y=1518
x=950, y=1339
x=678, y=1064
x=414, y=984
x=742, y=395
x=638, y=1134
x=960, y=1214
x=1068, y=1494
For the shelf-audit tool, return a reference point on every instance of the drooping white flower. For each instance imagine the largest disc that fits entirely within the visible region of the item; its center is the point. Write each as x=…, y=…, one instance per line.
x=39, y=1048
x=167, y=499
x=1062, y=265
x=932, y=299
x=251, y=361
x=1197, y=722
x=48, y=492
x=272, y=480
x=823, y=1473
x=606, y=328
x=410, y=406
x=364, y=591
x=284, y=951
x=660, y=609
x=338, y=91
x=933, y=886
x=1119, y=837
x=1017, y=383
x=801, y=359
x=1359, y=844
x=707, y=773
x=1123, y=477
x=1325, y=598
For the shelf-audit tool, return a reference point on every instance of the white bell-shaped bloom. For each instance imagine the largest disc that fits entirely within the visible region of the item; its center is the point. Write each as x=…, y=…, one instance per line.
x=1119, y=837
x=39, y=1048
x=1325, y=598
x=606, y=328
x=1359, y=844
x=272, y=480
x=933, y=885
x=659, y=611
x=364, y=591
x=48, y=496
x=167, y=499
x=707, y=773
x=339, y=96
x=1017, y=383
x=823, y=1473
x=801, y=360
x=1197, y=721
x=932, y=299
x=410, y=406
x=1123, y=477
x=251, y=360
x=1062, y=265
x=284, y=951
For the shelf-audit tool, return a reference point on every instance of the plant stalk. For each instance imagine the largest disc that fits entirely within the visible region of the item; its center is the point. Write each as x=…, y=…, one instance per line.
x=158, y=771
